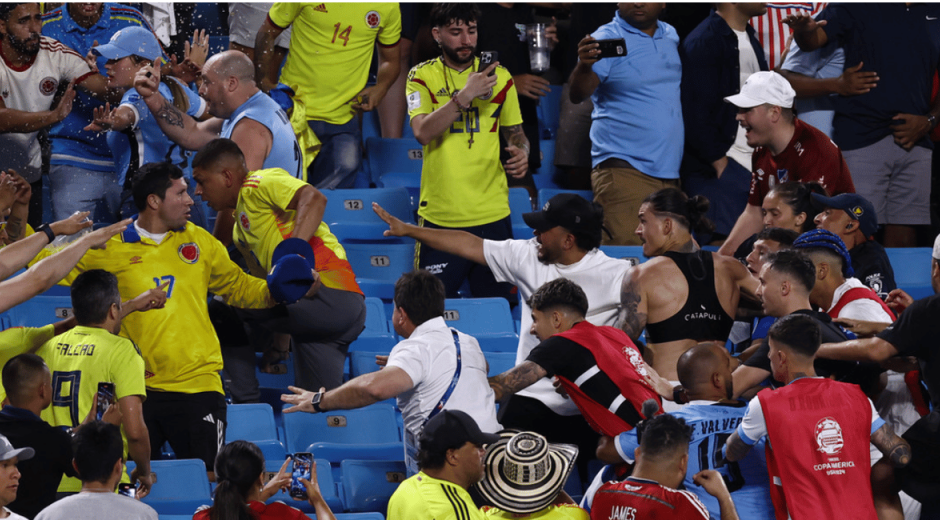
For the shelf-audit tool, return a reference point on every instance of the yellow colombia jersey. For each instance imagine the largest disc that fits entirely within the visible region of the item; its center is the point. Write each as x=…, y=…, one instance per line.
x=421, y=497
x=554, y=512
x=179, y=345
x=463, y=185
x=262, y=221
x=331, y=48
x=20, y=340
x=80, y=359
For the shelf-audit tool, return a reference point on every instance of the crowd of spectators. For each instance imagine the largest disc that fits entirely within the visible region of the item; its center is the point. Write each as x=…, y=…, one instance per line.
x=761, y=155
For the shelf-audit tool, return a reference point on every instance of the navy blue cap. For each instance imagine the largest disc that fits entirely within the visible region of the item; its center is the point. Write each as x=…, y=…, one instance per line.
x=856, y=206
x=290, y=277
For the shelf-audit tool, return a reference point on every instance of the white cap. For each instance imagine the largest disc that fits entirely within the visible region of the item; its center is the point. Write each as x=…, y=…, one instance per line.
x=936, y=248
x=764, y=87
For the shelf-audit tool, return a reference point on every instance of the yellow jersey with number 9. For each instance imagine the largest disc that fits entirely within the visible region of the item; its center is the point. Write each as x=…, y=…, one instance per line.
x=331, y=50
x=463, y=182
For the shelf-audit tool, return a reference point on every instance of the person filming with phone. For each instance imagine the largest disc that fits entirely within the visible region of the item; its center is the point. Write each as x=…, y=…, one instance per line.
x=630, y=69
x=459, y=108
x=242, y=492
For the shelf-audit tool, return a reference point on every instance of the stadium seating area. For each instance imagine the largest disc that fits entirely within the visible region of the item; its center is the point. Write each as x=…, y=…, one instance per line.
x=359, y=453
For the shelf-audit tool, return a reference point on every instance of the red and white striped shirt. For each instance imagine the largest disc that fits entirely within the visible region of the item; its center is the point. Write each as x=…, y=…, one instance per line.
x=773, y=33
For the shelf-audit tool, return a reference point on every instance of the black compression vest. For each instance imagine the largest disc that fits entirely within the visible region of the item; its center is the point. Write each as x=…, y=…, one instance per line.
x=702, y=318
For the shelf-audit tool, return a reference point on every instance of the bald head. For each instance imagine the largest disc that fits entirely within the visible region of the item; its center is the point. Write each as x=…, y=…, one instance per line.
x=705, y=371
x=232, y=64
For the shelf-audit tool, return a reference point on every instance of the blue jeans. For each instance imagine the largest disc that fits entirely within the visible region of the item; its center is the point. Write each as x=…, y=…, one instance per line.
x=340, y=155
x=74, y=189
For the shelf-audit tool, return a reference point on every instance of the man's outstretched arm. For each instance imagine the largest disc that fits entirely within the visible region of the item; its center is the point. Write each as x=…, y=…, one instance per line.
x=451, y=241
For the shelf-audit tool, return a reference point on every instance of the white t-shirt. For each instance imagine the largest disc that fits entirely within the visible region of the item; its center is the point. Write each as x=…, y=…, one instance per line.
x=600, y=276
x=861, y=309
x=32, y=90
x=747, y=65
x=95, y=506
x=13, y=516
x=429, y=357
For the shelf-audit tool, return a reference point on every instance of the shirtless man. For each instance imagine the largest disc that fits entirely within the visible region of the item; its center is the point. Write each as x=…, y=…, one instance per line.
x=656, y=295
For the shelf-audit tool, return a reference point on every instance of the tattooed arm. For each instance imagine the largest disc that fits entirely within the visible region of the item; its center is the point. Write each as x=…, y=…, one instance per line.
x=735, y=448
x=518, y=149
x=633, y=306
x=180, y=128
x=520, y=377
x=896, y=449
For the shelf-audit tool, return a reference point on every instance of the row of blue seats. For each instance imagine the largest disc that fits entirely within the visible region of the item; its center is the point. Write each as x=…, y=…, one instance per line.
x=366, y=485
x=350, y=217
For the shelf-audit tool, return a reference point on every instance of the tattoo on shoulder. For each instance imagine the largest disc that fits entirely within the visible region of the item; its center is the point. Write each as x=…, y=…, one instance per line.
x=632, y=321
x=170, y=114
x=735, y=448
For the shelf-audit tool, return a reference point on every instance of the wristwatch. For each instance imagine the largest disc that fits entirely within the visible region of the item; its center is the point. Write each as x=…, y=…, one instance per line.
x=316, y=401
x=932, y=119
x=45, y=228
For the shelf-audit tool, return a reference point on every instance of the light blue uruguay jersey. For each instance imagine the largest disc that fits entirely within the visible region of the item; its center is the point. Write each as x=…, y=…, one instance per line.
x=712, y=423
x=285, y=151
x=144, y=142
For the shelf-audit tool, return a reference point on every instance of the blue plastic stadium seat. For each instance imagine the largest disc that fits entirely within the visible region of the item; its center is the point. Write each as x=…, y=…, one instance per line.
x=373, y=424
x=273, y=450
x=911, y=269
x=376, y=319
x=363, y=362
x=182, y=486
x=40, y=311
x=499, y=362
x=276, y=380
x=337, y=453
x=378, y=266
x=250, y=422
x=633, y=254
x=324, y=479
x=368, y=484
x=359, y=516
x=486, y=319
x=545, y=194
x=350, y=216
x=373, y=344
x=549, y=112
x=371, y=129
x=519, y=203
x=395, y=162
x=544, y=178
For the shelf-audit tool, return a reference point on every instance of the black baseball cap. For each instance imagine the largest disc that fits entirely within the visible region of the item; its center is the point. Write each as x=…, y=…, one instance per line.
x=570, y=211
x=856, y=206
x=451, y=429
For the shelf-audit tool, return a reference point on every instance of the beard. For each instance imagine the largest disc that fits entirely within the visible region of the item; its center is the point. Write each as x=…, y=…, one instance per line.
x=28, y=47
x=454, y=56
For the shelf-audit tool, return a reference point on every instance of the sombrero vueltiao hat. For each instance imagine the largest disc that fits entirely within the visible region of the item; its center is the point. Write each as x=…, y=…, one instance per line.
x=523, y=472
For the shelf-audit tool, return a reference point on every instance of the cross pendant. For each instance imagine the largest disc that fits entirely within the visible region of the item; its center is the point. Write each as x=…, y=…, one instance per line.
x=470, y=143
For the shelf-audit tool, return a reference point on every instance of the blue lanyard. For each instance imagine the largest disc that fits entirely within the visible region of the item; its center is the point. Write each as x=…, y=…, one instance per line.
x=453, y=382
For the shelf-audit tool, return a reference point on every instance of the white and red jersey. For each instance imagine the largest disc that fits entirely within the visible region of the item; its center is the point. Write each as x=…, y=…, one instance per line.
x=636, y=498
x=810, y=156
x=819, y=431
x=32, y=89
x=773, y=33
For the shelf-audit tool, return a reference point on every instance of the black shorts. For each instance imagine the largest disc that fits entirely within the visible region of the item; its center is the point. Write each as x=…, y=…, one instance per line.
x=193, y=424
